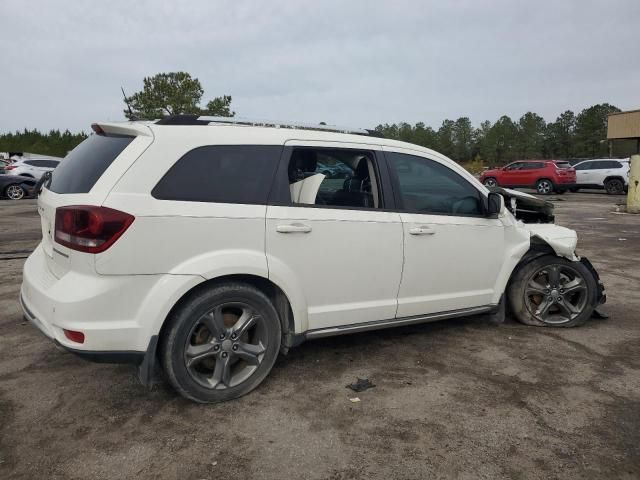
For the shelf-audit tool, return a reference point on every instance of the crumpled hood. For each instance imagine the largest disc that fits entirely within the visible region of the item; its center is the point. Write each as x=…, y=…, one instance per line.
x=525, y=207
x=563, y=240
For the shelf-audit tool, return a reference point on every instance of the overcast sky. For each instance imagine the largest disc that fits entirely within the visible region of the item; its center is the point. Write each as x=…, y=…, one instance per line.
x=344, y=62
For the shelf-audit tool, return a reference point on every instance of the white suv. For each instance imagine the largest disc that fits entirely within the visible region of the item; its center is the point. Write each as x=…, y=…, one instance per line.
x=608, y=173
x=205, y=247
x=35, y=168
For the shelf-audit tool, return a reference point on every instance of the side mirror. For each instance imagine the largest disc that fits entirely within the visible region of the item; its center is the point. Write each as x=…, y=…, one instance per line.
x=495, y=204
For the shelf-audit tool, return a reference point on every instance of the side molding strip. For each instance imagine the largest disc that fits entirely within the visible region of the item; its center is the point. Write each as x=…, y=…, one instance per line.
x=396, y=322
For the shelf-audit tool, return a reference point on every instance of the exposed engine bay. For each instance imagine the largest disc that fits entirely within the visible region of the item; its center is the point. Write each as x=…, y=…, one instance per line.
x=525, y=207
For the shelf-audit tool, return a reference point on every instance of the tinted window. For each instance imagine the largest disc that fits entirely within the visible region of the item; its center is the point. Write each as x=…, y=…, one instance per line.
x=334, y=177
x=221, y=173
x=585, y=166
x=563, y=165
x=533, y=165
x=610, y=164
x=85, y=164
x=50, y=163
x=515, y=166
x=33, y=163
x=427, y=186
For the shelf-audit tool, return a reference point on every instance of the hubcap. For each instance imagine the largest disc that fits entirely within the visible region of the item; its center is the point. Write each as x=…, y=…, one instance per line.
x=556, y=294
x=225, y=346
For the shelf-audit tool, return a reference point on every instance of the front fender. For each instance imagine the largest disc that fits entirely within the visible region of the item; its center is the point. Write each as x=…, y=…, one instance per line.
x=562, y=240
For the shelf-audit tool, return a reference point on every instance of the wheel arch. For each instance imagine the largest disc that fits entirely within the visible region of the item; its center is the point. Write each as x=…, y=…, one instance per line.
x=276, y=295
x=613, y=177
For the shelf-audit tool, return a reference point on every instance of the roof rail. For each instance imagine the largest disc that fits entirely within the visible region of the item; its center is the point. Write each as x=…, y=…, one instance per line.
x=209, y=120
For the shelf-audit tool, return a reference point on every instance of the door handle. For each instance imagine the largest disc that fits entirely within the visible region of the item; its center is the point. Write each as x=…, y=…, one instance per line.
x=422, y=230
x=293, y=228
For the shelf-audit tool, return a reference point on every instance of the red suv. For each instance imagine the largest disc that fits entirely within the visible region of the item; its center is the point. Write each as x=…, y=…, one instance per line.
x=546, y=176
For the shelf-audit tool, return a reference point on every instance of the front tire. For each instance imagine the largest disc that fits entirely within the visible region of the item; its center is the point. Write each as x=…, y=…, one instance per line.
x=490, y=182
x=14, y=192
x=221, y=343
x=551, y=291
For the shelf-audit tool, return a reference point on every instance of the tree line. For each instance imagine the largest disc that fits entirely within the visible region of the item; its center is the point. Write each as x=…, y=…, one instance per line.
x=54, y=143
x=569, y=136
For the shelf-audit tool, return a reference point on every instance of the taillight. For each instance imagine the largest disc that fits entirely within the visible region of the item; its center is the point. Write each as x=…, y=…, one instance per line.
x=88, y=228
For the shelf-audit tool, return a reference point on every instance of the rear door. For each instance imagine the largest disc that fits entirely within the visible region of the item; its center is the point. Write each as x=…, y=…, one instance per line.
x=85, y=177
x=333, y=237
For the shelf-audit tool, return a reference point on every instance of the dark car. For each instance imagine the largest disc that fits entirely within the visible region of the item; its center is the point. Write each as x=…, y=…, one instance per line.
x=16, y=187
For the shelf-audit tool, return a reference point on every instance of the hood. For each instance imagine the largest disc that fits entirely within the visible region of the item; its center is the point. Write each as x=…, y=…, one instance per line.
x=526, y=207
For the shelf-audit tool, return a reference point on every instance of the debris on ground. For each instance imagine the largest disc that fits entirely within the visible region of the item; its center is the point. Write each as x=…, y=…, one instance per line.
x=354, y=400
x=361, y=385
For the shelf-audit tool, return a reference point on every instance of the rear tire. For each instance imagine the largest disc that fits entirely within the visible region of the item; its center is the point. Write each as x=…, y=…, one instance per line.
x=544, y=186
x=614, y=186
x=551, y=291
x=221, y=343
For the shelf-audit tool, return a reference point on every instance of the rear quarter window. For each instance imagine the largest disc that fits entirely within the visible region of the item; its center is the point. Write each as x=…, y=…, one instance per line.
x=563, y=165
x=221, y=174
x=85, y=164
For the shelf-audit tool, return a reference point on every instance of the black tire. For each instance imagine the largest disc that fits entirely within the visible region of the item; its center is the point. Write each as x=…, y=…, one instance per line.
x=523, y=302
x=614, y=186
x=544, y=186
x=490, y=182
x=186, y=325
x=14, y=192
x=574, y=190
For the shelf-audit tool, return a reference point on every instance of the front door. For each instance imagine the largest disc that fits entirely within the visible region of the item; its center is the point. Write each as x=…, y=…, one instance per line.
x=332, y=238
x=453, y=252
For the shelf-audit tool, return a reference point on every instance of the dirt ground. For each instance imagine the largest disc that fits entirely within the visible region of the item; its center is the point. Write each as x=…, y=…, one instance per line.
x=456, y=399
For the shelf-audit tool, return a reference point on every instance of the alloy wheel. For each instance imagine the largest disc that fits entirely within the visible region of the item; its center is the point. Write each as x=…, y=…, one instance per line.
x=490, y=182
x=15, y=192
x=556, y=294
x=226, y=346
x=544, y=187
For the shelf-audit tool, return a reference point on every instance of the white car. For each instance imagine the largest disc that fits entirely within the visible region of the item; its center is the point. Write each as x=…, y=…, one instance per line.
x=206, y=247
x=603, y=173
x=35, y=168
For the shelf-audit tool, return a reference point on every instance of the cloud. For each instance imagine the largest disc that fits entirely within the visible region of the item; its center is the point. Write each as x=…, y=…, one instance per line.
x=360, y=63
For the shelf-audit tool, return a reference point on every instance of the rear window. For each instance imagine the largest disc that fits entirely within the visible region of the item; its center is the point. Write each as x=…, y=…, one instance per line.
x=221, y=174
x=85, y=164
x=563, y=165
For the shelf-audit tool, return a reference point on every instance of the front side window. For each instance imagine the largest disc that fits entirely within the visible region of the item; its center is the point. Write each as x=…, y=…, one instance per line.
x=515, y=166
x=333, y=177
x=584, y=166
x=221, y=174
x=426, y=186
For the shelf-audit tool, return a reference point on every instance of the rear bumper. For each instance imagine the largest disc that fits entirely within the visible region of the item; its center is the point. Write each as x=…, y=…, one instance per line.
x=118, y=314
x=566, y=183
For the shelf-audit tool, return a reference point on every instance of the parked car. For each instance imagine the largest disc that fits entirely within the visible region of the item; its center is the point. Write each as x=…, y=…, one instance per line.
x=546, y=176
x=15, y=187
x=607, y=173
x=31, y=168
x=198, y=248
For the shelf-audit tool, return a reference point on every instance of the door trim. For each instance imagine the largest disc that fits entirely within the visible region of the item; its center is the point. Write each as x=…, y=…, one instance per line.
x=396, y=322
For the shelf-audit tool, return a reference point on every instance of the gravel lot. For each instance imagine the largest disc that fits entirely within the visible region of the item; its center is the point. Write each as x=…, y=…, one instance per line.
x=456, y=399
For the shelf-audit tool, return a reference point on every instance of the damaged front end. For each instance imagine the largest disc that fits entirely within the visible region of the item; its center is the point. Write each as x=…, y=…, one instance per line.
x=525, y=207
